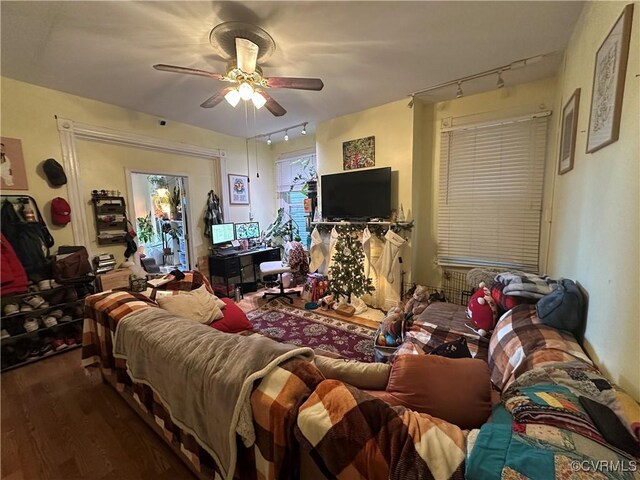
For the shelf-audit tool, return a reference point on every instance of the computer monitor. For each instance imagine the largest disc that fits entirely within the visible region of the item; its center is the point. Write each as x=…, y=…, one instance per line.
x=247, y=230
x=222, y=233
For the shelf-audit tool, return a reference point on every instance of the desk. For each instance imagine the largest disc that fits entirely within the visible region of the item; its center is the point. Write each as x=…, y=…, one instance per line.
x=243, y=264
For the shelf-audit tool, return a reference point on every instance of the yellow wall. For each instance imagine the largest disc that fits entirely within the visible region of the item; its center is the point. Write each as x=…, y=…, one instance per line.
x=509, y=101
x=392, y=125
x=596, y=227
x=302, y=142
x=28, y=111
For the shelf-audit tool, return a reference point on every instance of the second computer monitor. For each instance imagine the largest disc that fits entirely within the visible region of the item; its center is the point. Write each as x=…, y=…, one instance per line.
x=247, y=230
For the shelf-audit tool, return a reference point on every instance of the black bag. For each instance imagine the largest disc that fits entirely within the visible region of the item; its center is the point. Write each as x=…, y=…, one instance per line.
x=30, y=240
x=455, y=349
x=563, y=308
x=72, y=267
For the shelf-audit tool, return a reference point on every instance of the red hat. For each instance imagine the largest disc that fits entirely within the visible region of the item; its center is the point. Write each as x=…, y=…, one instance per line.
x=60, y=211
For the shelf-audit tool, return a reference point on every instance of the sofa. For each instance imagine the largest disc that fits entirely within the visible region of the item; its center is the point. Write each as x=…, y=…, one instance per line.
x=511, y=412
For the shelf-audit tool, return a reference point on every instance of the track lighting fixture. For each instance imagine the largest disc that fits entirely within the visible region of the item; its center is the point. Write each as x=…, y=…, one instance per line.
x=268, y=135
x=494, y=71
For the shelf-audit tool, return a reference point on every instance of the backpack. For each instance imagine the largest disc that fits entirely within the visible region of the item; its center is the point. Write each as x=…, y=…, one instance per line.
x=30, y=240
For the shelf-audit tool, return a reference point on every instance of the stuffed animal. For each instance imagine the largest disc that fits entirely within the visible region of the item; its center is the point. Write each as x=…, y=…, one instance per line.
x=391, y=328
x=482, y=309
x=418, y=302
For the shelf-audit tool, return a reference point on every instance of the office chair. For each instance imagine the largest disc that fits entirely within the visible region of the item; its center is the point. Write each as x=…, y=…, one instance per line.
x=276, y=268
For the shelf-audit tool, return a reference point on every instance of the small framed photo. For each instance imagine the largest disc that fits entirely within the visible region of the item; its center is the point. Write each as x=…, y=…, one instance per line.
x=238, y=189
x=608, y=84
x=568, y=133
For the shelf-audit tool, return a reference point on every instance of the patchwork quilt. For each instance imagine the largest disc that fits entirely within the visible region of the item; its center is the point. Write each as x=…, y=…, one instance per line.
x=376, y=441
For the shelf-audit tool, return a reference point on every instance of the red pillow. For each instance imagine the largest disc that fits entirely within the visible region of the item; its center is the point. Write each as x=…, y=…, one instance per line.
x=234, y=319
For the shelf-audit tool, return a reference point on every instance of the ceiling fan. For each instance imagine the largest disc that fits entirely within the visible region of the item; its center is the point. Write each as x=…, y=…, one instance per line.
x=243, y=45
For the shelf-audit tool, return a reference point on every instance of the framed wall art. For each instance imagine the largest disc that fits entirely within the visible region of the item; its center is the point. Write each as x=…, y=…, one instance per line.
x=568, y=133
x=238, y=189
x=360, y=153
x=14, y=173
x=608, y=84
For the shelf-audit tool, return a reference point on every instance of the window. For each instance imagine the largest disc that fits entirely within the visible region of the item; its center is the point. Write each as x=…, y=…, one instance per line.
x=292, y=170
x=490, y=198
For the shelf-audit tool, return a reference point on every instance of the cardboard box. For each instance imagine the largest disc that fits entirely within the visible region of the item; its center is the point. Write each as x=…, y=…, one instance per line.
x=115, y=279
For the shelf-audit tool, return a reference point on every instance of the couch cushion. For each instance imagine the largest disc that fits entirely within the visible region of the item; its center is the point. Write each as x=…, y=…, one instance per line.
x=234, y=319
x=521, y=342
x=371, y=376
x=456, y=390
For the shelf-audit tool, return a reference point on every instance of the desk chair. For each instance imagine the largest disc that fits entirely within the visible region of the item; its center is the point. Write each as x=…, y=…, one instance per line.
x=276, y=268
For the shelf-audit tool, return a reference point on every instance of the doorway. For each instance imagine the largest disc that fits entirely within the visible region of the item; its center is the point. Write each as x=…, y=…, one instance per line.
x=160, y=211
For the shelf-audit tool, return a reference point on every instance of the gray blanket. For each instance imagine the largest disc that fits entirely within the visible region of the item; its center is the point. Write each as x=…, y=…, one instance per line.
x=204, y=377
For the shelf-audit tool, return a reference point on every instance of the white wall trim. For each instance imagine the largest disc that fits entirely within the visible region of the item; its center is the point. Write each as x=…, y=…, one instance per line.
x=70, y=131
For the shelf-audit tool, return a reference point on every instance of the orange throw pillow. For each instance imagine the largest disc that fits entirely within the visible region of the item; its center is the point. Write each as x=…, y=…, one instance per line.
x=457, y=390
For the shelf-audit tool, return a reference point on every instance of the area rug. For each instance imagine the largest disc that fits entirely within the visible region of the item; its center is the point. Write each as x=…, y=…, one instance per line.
x=288, y=324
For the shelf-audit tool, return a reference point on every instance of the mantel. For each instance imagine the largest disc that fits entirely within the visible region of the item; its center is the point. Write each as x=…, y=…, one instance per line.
x=406, y=225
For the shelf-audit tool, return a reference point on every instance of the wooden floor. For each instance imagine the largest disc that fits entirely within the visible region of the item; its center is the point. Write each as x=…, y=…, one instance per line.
x=59, y=424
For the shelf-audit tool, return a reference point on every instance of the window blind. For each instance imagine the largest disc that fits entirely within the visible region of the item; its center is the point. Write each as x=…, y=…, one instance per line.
x=490, y=199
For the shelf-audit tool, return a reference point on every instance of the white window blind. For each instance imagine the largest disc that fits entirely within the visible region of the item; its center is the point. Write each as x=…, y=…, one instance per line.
x=490, y=201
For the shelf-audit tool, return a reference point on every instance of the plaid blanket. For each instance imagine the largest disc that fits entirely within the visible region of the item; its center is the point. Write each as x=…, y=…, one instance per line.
x=441, y=323
x=520, y=342
x=529, y=285
x=376, y=441
x=275, y=400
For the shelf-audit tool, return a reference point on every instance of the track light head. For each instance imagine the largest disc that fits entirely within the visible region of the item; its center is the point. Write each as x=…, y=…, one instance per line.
x=269, y=140
x=304, y=129
x=459, y=90
x=500, y=83
x=286, y=135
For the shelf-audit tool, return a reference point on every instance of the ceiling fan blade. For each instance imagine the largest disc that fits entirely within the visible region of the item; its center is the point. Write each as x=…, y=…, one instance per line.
x=273, y=106
x=216, y=98
x=246, y=55
x=191, y=71
x=297, y=83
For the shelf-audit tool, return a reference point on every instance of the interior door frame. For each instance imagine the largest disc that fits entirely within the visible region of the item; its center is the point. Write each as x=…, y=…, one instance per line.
x=131, y=205
x=71, y=131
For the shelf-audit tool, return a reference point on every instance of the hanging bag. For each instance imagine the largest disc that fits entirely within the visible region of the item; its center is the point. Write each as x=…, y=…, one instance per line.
x=72, y=267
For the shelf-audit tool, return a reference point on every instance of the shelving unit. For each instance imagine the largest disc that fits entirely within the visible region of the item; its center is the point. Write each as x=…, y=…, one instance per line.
x=110, y=218
x=21, y=340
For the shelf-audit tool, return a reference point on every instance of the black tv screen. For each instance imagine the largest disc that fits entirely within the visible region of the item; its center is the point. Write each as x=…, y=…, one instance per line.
x=363, y=194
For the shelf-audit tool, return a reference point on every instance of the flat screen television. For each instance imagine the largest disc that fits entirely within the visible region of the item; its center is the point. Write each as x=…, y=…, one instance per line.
x=222, y=233
x=247, y=230
x=362, y=194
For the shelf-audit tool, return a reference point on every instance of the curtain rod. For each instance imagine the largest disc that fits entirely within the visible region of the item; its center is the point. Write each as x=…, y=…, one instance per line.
x=510, y=66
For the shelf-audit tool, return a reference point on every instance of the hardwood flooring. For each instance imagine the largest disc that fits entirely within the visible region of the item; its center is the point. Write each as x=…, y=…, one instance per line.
x=60, y=424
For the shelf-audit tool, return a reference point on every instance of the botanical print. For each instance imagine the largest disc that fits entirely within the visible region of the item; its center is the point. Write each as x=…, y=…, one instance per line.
x=239, y=189
x=359, y=153
x=14, y=174
x=605, y=90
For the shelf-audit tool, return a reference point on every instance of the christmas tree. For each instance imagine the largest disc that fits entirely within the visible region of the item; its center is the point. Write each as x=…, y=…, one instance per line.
x=347, y=269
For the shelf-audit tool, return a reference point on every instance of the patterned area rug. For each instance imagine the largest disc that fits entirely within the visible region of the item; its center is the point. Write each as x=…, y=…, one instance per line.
x=288, y=324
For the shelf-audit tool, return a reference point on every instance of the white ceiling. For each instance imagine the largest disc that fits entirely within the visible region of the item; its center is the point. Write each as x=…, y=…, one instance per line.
x=367, y=53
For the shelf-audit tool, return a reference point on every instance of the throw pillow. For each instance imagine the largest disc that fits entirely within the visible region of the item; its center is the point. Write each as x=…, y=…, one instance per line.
x=456, y=349
x=370, y=376
x=455, y=390
x=154, y=293
x=234, y=319
x=198, y=305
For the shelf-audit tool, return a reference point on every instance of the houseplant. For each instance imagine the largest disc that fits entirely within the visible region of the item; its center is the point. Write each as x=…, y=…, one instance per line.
x=145, y=229
x=174, y=199
x=174, y=233
x=281, y=229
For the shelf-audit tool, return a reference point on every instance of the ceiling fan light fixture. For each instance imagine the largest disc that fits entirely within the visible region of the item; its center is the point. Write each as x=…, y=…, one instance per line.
x=233, y=97
x=246, y=91
x=258, y=100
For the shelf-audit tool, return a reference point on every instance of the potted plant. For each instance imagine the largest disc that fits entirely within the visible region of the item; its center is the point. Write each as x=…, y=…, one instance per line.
x=145, y=229
x=174, y=233
x=174, y=199
x=281, y=229
x=307, y=180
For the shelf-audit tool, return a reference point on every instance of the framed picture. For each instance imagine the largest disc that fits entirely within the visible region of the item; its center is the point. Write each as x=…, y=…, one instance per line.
x=608, y=84
x=568, y=135
x=14, y=173
x=238, y=189
x=359, y=153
